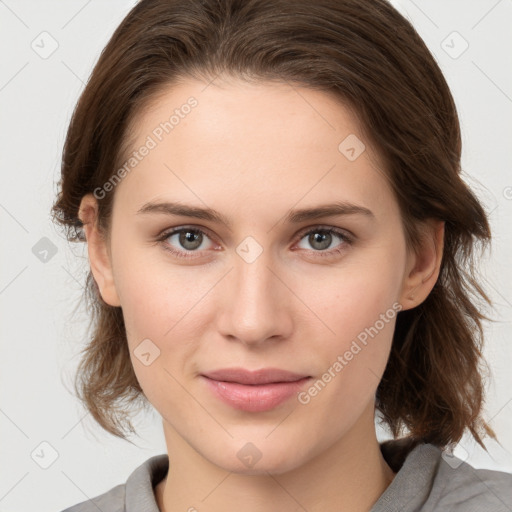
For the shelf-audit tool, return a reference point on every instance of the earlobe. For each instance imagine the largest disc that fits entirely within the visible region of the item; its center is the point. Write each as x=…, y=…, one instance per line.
x=99, y=258
x=423, y=266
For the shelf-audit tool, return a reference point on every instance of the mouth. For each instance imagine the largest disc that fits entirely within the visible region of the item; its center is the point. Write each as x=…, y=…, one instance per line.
x=254, y=391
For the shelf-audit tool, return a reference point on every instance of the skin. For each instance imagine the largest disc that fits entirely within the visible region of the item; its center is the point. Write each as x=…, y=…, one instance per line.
x=253, y=152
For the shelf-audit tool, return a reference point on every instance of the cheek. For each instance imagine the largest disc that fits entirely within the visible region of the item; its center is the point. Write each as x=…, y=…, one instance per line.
x=152, y=294
x=160, y=305
x=159, y=330
x=360, y=307
x=352, y=360
x=355, y=297
x=143, y=301
x=358, y=349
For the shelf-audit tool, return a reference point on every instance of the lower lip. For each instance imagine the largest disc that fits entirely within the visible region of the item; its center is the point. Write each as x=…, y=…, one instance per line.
x=255, y=398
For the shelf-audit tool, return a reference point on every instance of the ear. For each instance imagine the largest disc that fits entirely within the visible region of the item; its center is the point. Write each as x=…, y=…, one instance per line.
x=423, y=265
x=97, y=247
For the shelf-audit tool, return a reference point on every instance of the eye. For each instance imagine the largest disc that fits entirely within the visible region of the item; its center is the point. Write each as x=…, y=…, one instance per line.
x=321, y=238
x=184, y=241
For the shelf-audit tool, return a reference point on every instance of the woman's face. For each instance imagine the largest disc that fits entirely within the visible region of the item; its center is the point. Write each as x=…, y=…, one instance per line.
x=268, y=286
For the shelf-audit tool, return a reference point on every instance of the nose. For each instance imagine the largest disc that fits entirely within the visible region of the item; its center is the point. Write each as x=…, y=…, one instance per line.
x=255, y=305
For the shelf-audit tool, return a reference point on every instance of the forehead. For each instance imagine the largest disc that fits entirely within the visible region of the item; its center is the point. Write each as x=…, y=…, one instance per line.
x=231, y=111
x=244, y=141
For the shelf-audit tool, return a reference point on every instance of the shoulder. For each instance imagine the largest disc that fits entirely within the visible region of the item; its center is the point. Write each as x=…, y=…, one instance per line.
x=459, y=487
x=110, y=501
x=134, y=495
x=429, y=479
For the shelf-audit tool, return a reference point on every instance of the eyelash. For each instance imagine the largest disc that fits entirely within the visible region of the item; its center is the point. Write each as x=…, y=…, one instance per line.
x=317, y=229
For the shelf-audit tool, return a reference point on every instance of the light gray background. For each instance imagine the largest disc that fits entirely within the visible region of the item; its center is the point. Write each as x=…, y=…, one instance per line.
x=41, y=338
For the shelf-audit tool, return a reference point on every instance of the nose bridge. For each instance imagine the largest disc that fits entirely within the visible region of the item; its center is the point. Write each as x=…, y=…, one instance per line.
x=254, y=279
x=256, y=309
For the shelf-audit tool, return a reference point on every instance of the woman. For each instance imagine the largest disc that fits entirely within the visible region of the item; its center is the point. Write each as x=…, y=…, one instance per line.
x=280, y=246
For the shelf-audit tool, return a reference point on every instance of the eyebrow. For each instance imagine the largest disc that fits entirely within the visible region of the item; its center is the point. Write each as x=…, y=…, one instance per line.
x=294, y=216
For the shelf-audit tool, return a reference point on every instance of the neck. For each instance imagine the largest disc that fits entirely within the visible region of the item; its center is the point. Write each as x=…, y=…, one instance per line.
x=350, y=475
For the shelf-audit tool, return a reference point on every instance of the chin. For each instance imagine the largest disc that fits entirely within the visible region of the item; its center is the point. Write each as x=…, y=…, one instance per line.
x=259, y=458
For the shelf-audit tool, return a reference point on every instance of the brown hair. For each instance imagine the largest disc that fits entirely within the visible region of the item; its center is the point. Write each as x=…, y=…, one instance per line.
x=371, y=57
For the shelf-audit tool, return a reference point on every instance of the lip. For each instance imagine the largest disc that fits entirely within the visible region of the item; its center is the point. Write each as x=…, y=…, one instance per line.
x=254, y=391
x=262, y=376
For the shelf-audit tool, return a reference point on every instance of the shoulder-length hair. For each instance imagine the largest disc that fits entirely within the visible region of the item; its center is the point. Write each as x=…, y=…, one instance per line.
x=371, y=57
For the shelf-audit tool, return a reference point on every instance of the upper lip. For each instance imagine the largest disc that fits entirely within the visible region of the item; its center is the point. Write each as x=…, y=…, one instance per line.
x=262, y=376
